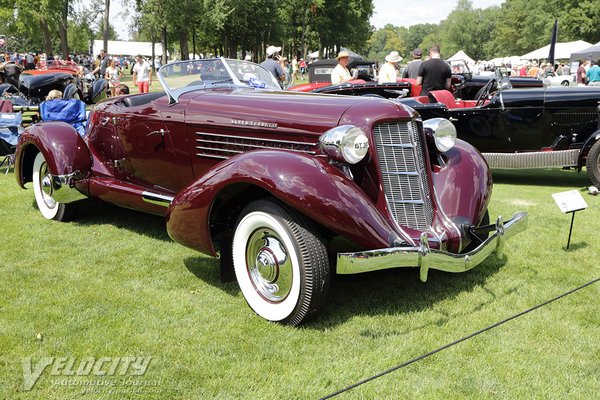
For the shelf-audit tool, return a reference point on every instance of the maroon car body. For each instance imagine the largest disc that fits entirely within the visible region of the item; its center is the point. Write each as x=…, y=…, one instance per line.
x=251, y=173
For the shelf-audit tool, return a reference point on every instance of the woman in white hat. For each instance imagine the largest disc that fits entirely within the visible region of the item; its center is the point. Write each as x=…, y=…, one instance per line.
x=388, y=72
x=341, y=74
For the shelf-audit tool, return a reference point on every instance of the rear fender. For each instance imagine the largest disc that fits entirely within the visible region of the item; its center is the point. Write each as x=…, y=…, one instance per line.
x=63, y=148
x=308, y=184
x=586, y=148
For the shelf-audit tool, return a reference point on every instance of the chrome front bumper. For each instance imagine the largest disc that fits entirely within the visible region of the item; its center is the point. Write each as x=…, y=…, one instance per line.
x=62, y=187
x=426, y=258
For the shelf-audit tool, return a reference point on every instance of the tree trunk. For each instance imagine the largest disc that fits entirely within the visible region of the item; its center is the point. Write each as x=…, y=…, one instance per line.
x=164, y=44
x=183, y=45
x=62, y=31
x=105, y=24
x=47, y=40
x=194, y=42
x=153, y=54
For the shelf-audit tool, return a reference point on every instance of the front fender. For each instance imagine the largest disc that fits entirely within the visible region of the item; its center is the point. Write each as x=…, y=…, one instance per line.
x=586, y=148
x=305, y=183
x=463, y=186
x=63, y=148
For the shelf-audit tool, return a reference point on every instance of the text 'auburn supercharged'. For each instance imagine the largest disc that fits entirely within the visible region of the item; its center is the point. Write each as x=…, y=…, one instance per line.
x=285, y=187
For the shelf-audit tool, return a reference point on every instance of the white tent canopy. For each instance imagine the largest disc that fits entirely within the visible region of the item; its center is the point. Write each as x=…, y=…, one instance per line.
x=119, y=47
x=462, y=56
x=561, y=51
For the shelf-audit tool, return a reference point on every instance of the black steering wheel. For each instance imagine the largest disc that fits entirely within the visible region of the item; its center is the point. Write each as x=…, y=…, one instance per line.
x=484, y=92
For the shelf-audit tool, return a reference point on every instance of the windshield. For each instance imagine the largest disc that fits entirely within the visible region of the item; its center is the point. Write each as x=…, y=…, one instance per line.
x=182, y=76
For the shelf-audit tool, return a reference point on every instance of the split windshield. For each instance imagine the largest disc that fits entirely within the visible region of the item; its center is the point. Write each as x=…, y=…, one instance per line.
x=182, y=76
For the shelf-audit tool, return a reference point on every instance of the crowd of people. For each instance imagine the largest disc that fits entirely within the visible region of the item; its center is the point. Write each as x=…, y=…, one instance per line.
x=110, y=67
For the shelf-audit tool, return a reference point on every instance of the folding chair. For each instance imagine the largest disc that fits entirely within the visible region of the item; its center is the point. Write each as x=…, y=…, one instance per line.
x=71, y=111
x=10, y=129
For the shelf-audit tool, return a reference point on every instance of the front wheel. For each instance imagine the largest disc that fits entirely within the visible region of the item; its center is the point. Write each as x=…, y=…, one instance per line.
x=592, y=164
x=281, y=265
x=42, y=190
x=564, y=83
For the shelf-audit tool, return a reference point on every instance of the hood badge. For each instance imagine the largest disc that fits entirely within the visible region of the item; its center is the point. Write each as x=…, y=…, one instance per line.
x=254, y=123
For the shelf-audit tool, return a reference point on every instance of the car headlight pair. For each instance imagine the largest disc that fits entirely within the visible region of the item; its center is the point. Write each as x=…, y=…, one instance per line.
x=442, y=131
x=345, y=143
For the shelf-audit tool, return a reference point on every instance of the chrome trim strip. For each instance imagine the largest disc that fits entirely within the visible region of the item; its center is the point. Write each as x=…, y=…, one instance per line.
x=256, y=138
x=534, y=159
x=157, y=199
x=211, y=156
x=256, y=146
x=425, y=258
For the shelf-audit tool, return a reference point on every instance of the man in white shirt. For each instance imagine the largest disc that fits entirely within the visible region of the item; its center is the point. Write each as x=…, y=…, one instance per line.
x=142, y=74
x=341, y=74
x=388, y=73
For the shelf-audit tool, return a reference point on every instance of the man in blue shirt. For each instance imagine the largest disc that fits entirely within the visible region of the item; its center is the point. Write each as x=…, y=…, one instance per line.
x=272, y=64
x=593, y=74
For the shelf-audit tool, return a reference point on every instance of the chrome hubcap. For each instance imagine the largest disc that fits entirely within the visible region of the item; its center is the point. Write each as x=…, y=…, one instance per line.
x=46, y=186
x=268, y=265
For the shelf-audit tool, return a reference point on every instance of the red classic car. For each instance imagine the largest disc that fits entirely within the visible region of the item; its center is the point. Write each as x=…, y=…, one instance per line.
x=286, y=187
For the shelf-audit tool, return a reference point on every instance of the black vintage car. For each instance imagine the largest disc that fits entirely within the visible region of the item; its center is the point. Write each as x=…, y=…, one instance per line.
x=524, y=128
x=33, y=86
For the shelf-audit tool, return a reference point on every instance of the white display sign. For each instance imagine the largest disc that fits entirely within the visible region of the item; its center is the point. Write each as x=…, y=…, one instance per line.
x=569, y=201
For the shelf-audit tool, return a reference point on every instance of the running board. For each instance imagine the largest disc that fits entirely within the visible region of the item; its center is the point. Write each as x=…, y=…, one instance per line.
x=537, y=159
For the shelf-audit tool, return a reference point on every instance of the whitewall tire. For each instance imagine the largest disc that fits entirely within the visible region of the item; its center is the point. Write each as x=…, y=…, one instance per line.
x=280, y=264
x=42, y=189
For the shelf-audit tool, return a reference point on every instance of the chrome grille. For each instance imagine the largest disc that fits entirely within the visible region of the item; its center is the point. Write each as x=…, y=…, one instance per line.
x=222, y=146
x=401, y=159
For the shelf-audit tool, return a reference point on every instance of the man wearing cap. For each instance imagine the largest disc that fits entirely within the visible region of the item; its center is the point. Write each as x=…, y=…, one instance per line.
x=412, y=69
x=272, y=64
x=388, y=73
x=434, y=74
x=341, y=74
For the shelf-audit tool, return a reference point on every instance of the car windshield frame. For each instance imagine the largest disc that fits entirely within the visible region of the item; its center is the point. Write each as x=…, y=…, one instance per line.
x=180, y=77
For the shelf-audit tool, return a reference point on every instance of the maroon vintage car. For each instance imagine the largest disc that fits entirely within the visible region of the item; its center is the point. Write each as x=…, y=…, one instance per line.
x=286, y=187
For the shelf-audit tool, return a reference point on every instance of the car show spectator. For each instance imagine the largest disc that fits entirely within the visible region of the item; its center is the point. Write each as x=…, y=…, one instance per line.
x=113, y=75
x=434, y=74
x=581, y=73
x=593, y=74
x=302, y=66
x=341, y=73
x=412, y=68
x=54, y=94
x=102, y=60
x=121, y=89
x=142, y=74
x=388, y=72
x=534, y=71
x=273, y=65
x=294, y=68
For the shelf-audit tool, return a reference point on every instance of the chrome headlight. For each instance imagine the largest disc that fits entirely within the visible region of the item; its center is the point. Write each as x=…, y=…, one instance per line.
x=346, y=143
x=442, y=131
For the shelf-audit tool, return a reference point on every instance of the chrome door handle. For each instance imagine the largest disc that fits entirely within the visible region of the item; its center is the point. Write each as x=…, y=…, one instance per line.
x=104, y=120
x=160, y=132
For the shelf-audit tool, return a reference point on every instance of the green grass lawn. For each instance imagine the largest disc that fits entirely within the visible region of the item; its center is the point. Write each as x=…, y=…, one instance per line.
x=112, y=284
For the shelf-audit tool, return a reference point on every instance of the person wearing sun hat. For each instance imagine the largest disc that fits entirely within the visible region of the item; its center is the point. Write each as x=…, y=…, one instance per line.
x=388, y=72
x=341, y=74
x=272, y=64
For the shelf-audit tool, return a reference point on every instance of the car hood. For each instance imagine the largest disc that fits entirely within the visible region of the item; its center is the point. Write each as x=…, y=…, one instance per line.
x=294, y=112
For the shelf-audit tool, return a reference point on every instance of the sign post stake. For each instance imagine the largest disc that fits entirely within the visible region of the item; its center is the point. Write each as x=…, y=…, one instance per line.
x=570, y=202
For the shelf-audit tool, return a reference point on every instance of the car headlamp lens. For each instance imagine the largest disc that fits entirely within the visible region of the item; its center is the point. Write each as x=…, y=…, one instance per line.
x=443, y=132
x=346, y=143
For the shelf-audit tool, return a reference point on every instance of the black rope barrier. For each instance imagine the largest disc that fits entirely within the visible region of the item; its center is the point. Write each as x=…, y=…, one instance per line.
x=379, y=375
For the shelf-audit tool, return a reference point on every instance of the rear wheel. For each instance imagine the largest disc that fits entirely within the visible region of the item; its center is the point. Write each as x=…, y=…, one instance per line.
x=564, y=83
x=280, y=263
x=592, y=164
x=42, y=190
